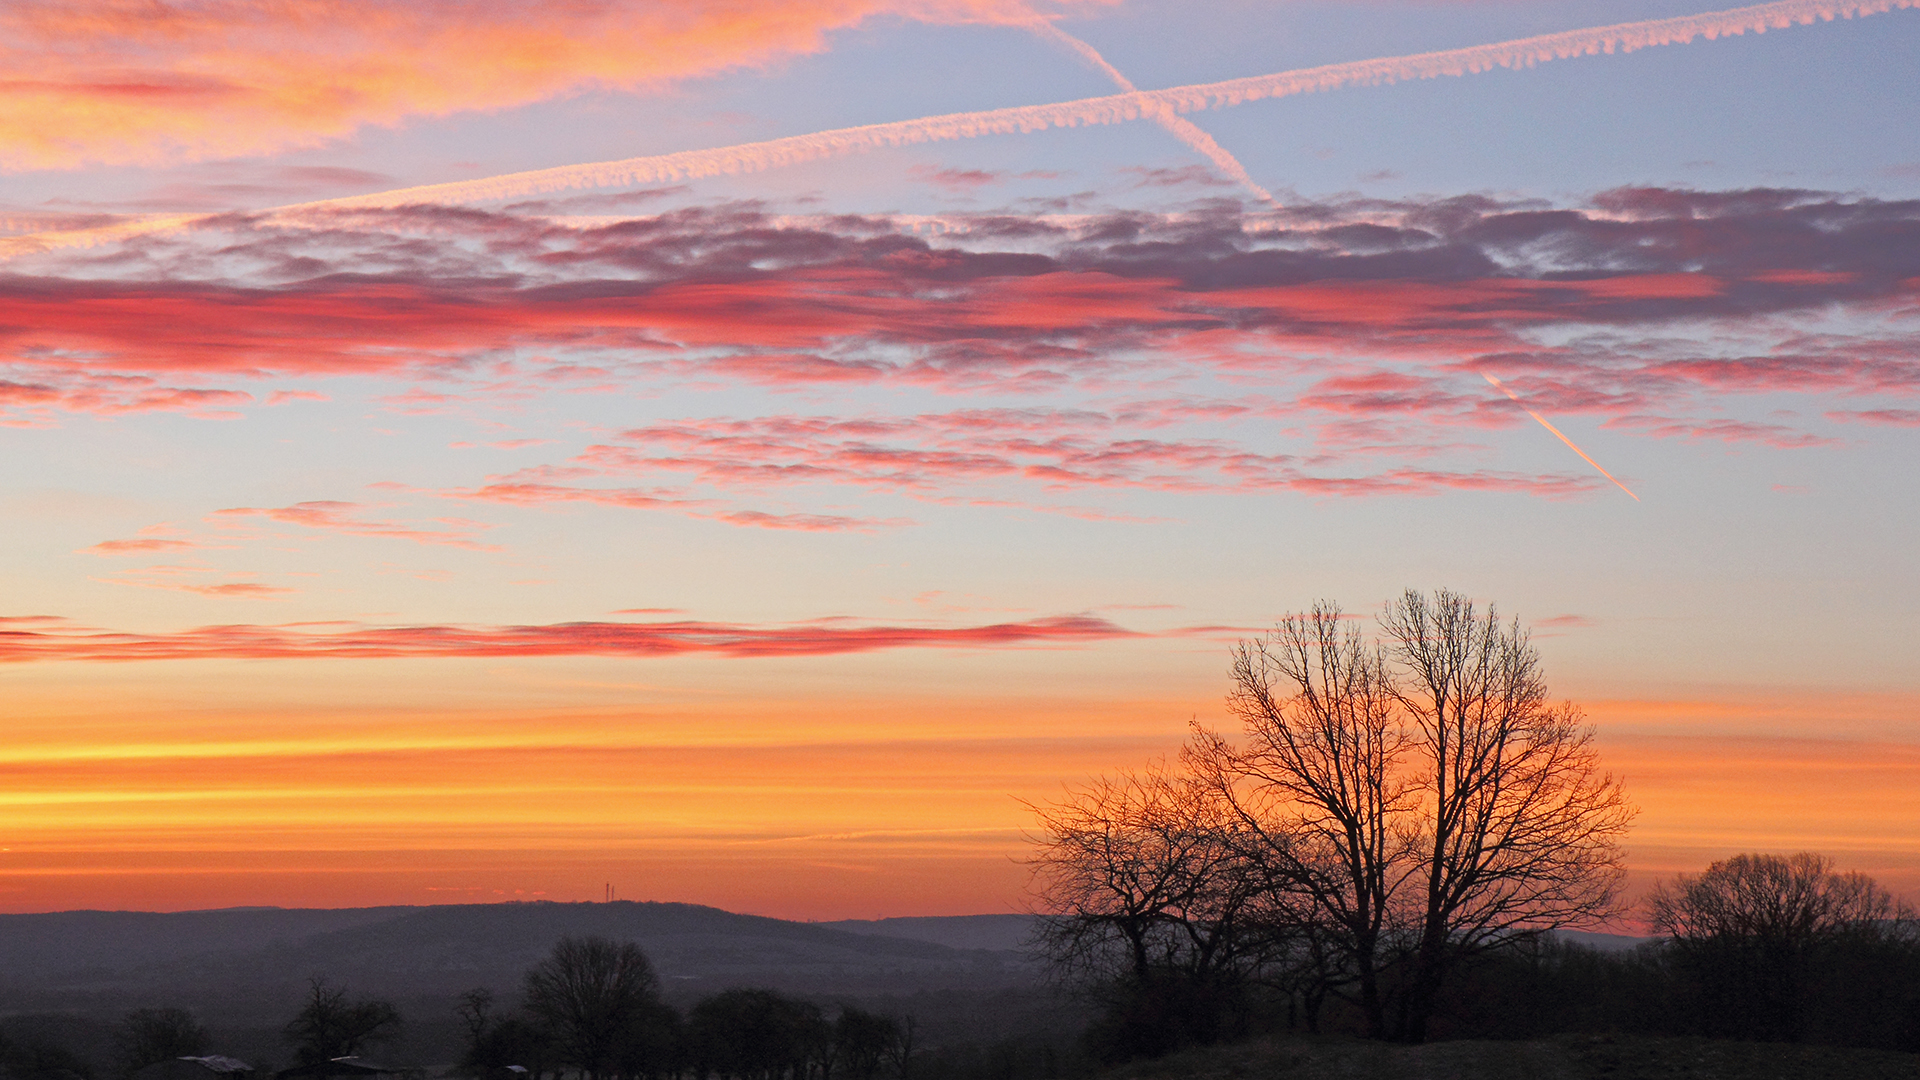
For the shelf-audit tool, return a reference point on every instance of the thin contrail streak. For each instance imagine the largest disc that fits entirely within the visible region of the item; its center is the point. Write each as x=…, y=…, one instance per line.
x=1502, y=387
x=1180, y=127
x=1110, y=109
x=1118, y=108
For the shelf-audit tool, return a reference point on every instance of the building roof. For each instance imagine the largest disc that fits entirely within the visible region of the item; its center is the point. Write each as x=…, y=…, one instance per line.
x=340, y=1066
x=208, y=1067
x=220, y=1063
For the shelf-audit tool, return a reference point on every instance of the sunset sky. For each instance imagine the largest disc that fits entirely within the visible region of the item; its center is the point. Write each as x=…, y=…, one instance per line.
x=757, y=520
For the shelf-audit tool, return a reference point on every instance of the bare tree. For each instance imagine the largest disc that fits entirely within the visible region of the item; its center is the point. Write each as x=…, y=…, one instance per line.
x=1749, y=932
x=329, y=1025
x=1149, y=903
x=1421, y=799
x=1319, y=794
x=1519, y=829
x=1138, y=872
x=593, y=995
x=145, y=1036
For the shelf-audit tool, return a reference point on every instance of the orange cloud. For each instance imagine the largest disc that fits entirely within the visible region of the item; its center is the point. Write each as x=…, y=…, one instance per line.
x=127, y=81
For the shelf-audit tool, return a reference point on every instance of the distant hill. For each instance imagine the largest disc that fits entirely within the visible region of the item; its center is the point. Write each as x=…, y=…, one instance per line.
x=1001, y=933
x=246, y=970
x=55, y=960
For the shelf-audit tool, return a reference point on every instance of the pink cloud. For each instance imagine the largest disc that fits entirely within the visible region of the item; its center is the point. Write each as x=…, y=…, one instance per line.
x=1360, y=327
x=151, y=539
x=44, y=641
x=955, y=179
x=187, y=579
x=1892, y=417
x=281, y=397
x=341, y=517
x=1661, y=427
x=139, y=545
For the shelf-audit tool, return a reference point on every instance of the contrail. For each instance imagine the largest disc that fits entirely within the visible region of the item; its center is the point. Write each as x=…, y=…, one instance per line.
x=1181, y=128
x=1502, y=387
x=1119, y=108
x=1110, y=109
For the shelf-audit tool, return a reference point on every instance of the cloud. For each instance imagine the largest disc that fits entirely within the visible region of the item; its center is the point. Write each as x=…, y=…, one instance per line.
x=187, y=579
x=1202, y=351
x=121, y=81
x=936, y=455
x=37, y=394
x=955, y=180
x=41, y=640
x=341, y=517
x=1775, y=435
x=153, y=538
x=793, y=301
x=1892, y=417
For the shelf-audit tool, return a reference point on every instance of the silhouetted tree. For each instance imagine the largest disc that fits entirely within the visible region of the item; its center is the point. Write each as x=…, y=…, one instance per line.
x=510, y=1040
x=475, y=1010
x=330, y=1026
x=1418, y=801
x=145, y=1036
x=1752, y=933
x=757, y=1035
x=594, y=996
x=1151, y=906
x=862, y=1041
x=901, y=1054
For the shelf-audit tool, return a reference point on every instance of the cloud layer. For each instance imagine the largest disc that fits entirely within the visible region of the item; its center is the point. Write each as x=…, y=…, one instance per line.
x=1367, y=325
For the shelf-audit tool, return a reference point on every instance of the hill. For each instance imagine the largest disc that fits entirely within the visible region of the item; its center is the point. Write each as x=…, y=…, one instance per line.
x=68, y=975
x=412, y=950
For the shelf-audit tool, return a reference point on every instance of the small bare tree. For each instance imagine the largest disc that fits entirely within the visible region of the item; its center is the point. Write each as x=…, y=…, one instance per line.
x=1136, y=873
x=1148, y=900
x=330, y=1025
x=145, y=1036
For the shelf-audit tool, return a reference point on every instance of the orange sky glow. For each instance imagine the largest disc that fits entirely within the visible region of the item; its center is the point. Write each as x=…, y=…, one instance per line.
x=748, y=452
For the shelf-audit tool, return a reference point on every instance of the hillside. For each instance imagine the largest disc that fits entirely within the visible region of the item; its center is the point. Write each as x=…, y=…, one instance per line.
x=413, y=950
x=68, y=975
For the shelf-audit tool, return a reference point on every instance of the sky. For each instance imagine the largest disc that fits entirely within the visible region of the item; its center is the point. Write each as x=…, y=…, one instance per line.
x=749, y=453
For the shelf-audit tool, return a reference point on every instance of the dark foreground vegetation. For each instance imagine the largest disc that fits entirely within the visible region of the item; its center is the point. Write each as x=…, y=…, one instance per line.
x=1567, y=1057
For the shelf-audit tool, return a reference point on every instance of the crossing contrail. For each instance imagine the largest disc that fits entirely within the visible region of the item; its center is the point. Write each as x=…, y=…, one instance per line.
x=1110, y=109
x=1502, y=387
x=1180, y=127
x=1134, y=105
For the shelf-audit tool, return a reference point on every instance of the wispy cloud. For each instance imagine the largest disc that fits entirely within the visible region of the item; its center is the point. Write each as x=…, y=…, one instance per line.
x=344, y=518
x=43, y=640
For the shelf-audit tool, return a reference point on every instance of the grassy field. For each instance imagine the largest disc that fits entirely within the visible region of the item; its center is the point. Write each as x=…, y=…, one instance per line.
x=1569, y=1057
